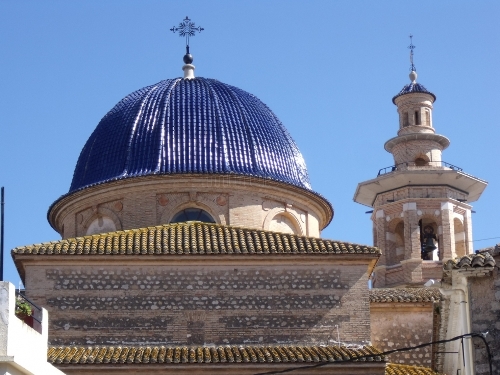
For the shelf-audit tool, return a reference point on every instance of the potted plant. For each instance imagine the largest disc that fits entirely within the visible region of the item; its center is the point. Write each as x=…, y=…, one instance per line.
x=23, y=309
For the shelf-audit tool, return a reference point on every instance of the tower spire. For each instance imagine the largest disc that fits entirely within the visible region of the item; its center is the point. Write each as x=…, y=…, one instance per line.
x=411, y=48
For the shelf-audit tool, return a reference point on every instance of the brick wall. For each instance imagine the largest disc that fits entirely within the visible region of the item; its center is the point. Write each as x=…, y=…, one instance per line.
x=398, y=325
x=168, y=304
x=411, y=150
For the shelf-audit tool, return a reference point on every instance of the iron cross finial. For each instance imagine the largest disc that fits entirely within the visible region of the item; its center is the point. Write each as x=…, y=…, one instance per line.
x=411, y=47
x=187, y=28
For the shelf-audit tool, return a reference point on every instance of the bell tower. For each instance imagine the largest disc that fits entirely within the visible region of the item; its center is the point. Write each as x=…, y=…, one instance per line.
x=421, y=204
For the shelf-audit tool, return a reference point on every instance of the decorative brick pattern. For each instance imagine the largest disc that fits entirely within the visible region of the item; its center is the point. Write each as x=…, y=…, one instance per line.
x=192, y=305
x=177, y=280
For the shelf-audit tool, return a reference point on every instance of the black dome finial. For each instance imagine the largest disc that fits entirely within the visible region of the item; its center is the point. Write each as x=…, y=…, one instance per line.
x=187, y=28
x=188, y=58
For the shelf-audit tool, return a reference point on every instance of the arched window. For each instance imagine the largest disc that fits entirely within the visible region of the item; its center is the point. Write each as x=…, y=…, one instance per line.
x=282, y=223
x=192, y=214
x=102, y=224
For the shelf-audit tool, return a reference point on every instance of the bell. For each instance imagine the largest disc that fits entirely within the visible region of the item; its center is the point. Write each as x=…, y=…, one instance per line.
x=429, y=245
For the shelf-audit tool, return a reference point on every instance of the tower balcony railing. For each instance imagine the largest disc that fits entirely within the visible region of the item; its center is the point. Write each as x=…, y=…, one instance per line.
x=411, y=165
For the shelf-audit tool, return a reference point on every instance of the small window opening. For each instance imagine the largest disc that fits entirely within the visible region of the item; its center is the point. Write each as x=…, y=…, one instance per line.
x=417, y=118
x=192, y=214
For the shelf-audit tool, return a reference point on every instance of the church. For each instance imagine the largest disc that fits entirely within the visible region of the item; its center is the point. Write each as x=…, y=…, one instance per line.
x=191, y=243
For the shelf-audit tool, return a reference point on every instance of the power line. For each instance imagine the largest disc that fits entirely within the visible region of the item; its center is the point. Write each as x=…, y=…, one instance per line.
x=484, y=239
x=405, y=349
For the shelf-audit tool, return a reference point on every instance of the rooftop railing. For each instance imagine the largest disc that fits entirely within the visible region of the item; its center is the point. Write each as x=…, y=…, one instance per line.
x=415, y=166
x=32, y=316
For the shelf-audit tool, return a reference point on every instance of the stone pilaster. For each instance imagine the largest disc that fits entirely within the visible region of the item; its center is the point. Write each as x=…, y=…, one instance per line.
x=448, y=235
x=412, y=231
x=412, y=265
x=469, y=245
x=380, y=228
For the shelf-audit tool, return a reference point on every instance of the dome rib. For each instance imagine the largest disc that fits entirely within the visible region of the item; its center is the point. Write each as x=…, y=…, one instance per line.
x=243, y=137
x=189, y=126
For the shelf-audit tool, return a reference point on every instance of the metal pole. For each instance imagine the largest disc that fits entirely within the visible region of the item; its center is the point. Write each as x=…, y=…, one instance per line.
x=1, y=234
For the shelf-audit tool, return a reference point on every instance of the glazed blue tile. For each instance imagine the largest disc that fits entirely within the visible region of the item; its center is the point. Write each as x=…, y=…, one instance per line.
x=190, y=126
x=413, y=87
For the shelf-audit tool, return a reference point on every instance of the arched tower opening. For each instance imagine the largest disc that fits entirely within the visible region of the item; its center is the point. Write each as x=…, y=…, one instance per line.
x=429, y=239
x=395, y=242
x=421, y=160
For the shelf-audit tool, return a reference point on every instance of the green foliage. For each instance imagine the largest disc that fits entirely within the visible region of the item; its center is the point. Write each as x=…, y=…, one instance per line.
x=23, y=308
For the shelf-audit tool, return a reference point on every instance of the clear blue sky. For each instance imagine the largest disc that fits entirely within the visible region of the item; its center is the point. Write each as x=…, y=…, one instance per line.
x=328, y=69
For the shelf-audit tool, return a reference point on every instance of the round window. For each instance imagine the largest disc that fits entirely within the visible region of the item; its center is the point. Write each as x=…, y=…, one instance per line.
x=192, y=214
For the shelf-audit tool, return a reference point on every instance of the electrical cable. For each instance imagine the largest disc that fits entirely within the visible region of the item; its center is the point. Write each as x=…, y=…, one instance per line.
x=484, y=239
x=405, y=349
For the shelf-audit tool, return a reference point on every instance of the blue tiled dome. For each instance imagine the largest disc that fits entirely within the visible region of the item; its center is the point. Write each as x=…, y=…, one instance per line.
x=411, y=88
x=190, y=126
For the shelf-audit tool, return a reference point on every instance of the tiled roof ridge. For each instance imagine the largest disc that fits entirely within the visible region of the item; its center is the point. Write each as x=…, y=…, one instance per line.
x=493, y=250
x=208, y=354
x=194, y=238
x=484, y=259
x=404, y=295
x=397, y=369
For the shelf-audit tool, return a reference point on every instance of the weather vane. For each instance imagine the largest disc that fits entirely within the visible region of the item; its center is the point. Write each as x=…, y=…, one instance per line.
x=412, y=47
x=187, y=28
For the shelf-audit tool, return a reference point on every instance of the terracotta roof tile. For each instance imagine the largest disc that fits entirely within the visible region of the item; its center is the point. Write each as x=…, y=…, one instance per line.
x=193, y=238
x=393, y=369
x=472, y=260
x=404, y=295
x=205, y=354
x=493, y=250
x=223, y=354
